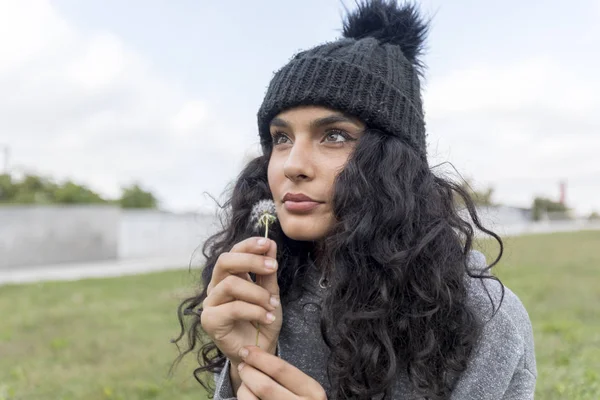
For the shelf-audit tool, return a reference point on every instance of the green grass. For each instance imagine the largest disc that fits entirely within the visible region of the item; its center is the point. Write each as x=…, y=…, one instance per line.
x=109, y=338
x=94, y=339
x=557, y=277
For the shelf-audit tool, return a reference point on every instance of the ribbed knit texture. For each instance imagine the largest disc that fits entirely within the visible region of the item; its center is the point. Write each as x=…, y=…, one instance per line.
x=363, y=78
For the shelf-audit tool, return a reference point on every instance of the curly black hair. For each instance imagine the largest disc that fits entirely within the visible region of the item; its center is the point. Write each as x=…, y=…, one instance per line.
x=398, y=259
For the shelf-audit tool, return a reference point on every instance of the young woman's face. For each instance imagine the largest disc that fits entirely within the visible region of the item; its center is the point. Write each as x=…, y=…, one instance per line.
x=311, y=145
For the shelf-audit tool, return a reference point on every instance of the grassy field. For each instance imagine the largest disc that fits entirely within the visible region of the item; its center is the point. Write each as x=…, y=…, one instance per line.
x=109, y=338
x=557, y=277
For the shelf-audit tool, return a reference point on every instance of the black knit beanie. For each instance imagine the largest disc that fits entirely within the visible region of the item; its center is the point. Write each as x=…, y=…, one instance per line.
x=372, y=73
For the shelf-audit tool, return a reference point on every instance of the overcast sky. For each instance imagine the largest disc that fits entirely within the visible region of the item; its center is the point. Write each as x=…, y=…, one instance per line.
x=107, y=92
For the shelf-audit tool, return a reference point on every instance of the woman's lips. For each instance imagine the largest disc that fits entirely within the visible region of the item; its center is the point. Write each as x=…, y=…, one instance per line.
x=301, y=206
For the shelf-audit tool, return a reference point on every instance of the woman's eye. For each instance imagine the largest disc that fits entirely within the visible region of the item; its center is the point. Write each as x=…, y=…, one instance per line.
x=337, y=136
x=279, y=138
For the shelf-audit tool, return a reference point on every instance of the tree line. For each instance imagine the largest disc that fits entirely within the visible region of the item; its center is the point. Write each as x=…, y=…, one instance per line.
x=35, y=189
x=541, y=207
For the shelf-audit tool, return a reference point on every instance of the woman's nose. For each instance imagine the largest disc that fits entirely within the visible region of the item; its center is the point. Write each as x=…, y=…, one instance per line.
x=298, y=164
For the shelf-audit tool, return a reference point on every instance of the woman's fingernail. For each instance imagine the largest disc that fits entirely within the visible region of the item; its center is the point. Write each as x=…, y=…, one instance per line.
x=243, y=353
x=270, y=317
x=274, y=302
x=240, y=366
x=262, y=242
x=270, y=264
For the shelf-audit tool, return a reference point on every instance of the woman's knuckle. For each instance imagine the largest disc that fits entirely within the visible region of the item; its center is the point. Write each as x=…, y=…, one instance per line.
x=279, y=370
x=203, y=321
x=206, y=319
x=222, y=259
x=265, y=389
x=228, y=283
x=237, y=311
x=236, y=247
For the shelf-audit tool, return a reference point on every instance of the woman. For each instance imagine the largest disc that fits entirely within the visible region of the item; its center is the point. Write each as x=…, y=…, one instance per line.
x=369, y=287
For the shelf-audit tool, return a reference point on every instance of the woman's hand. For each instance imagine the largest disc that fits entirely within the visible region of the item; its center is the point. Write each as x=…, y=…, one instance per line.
x=234, y=303
x=267, y=377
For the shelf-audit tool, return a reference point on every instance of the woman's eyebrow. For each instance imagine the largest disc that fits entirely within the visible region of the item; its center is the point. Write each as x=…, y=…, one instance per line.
x=278, y=122
x=317, y=123
x=331, y=119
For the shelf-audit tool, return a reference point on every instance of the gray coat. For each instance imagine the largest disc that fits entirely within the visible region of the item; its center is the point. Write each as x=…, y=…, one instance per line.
x=503, y=366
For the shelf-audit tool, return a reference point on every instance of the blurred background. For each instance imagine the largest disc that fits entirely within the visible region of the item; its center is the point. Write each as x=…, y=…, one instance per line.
x=121, y=121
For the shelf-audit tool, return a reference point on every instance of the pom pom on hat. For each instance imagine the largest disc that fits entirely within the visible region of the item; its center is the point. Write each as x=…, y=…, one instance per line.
x=389, y=22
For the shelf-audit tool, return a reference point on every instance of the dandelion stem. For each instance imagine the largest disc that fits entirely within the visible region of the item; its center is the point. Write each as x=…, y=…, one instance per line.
x=265, y=220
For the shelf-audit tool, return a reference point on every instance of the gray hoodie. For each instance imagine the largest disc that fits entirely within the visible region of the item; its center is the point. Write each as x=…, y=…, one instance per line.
x=502, y=368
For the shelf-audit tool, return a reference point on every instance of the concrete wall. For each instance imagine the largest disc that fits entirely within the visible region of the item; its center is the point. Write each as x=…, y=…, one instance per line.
x=39, y=236
x=512, y=221
x=548, y=227
x=49, y=235
x=46, y=235
x=503, y=215
x=150, y=233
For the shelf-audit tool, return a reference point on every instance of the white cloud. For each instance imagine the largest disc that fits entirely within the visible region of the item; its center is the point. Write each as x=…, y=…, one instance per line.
x=521, y=127
x=102, y=64
x=27, y=30
x=88, y=107
x=190, y=118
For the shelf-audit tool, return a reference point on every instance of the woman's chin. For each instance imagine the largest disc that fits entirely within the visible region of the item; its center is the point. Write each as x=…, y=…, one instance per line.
x=312, y=230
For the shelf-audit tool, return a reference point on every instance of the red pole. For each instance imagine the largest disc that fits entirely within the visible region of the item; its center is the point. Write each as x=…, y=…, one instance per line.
x=563, y=194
